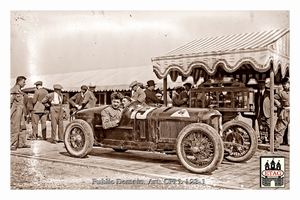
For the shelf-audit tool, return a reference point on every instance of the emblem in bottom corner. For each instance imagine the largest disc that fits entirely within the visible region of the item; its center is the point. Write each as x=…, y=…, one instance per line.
x=272, y=171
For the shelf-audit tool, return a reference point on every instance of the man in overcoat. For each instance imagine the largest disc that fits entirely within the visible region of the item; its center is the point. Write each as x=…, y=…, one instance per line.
x=17, y=115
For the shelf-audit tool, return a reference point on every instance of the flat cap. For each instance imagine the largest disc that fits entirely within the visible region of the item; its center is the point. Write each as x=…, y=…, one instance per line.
x=134, y=83
x=57, y=87
x=178, y=88
x=38, y=83
x=93, y=85
x=187, y=83
x=84, y=87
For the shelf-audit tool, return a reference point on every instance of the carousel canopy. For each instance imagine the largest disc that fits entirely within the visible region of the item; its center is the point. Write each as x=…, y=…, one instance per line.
x=200, y=57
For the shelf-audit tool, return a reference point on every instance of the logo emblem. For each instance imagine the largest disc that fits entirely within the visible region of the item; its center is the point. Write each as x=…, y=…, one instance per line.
x=272, y=171
x=181, y=113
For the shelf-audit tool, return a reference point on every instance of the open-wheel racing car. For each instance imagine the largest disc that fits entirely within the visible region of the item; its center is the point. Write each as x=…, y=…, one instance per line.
x=193, y=133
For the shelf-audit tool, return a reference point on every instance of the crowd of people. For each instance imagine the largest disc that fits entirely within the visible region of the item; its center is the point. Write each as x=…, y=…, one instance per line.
x=44, y=103
x=263, y=114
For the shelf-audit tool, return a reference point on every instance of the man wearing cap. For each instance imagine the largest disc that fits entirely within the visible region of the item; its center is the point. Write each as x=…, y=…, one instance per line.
x=89, y=99
x=151, y=98
x=17, y=118
x=38, y=113
x=282, y=101
x=177, y=101
x=54, y=99
x=186, y=94
x=77, y=99
x=138, y=92
x=111, y=115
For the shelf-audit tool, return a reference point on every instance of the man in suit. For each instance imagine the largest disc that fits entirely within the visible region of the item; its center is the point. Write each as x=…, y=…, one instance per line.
x=151, y=98
x=17, y=115
x=38, y=113
x=177, y=101
x=186, y=94
x=89, y=99
x=138, y=92
x=54, y=99
x=263, y=109
x=77, y=99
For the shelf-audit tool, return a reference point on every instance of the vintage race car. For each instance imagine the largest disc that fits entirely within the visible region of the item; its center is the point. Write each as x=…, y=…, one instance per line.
x=193, y=133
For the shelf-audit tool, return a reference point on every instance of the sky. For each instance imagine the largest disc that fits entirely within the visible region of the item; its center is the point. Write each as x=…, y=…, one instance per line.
x=61, y=41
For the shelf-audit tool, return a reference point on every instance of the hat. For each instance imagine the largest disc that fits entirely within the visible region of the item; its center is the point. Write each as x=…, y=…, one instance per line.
x=178, y=88
x=285, y=80
x=134, y=83
x=57, y=87
x=187, y=84
x=84, y=87
x=150, y=83
x=252, y=81
x=38, y=83
x=92, y=85
x=267, y=82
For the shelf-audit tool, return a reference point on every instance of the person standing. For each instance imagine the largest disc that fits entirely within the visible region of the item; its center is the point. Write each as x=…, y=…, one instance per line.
x=282, y=101
x=151, y=98
x=111, y=115
x=38, y=113
x=77, y=99
x=186, y=94
x=17, y=115
x=89, y=99
x=177, y=101
x=54, y=99
x=138, y=92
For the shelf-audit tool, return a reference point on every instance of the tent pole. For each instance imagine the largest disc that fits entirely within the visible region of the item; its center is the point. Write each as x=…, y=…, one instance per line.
x=165, y=91
x=272, y=125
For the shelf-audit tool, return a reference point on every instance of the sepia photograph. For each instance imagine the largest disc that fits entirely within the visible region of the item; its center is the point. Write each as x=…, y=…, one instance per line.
x=149, y=99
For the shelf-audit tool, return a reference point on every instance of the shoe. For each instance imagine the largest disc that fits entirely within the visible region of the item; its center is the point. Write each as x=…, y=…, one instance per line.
x=39, y=138
x=25, y=146
x=13, y=148
x=275, y=149
x=31, y=137
x=53, y=142
x=60, y=141
x=44, y=139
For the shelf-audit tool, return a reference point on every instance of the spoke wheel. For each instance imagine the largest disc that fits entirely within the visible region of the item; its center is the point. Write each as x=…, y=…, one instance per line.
x=78, y=138
x=239, y=140
x=199, y=148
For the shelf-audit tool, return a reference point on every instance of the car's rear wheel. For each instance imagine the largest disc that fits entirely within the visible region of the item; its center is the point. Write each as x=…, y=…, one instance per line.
x=78, y=138
x=199, y=148
x=240, y=141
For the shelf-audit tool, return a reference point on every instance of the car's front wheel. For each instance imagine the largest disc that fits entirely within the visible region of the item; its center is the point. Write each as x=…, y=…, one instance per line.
x=78, y=138
x=199, y=148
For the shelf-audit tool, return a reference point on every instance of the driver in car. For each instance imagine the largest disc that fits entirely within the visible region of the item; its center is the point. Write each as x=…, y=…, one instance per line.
x=112, y=114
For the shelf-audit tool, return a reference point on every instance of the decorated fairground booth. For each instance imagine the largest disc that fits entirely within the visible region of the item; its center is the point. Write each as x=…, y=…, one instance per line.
x=232, y=58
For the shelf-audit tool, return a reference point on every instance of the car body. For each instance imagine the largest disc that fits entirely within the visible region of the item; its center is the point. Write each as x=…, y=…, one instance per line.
x=193, y=133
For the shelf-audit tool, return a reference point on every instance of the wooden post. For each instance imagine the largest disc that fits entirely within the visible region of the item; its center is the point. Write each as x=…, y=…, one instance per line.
x=272, y=124
x=165, y=85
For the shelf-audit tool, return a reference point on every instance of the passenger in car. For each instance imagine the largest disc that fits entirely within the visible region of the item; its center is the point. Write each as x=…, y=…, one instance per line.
x=126, y=101
x=111, y=115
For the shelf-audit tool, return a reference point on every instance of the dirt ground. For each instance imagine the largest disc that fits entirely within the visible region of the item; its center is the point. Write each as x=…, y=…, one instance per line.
x=32, y=174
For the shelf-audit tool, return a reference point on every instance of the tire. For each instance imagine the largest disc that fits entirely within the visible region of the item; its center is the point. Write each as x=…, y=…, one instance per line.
x=119, y=150
x=240, y=140
x=78, y=138
x=199, y=148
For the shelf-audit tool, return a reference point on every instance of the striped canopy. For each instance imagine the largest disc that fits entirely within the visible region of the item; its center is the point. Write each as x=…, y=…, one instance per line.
x=256, y=51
